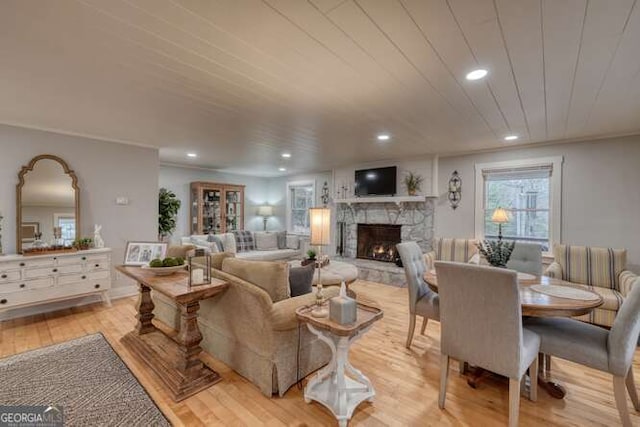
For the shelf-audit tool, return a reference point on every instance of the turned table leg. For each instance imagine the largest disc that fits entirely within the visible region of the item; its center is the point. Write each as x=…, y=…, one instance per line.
x=189, y=339
x=145, y=311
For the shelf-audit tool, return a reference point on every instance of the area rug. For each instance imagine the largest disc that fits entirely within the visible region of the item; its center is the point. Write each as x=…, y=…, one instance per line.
x=83, y=376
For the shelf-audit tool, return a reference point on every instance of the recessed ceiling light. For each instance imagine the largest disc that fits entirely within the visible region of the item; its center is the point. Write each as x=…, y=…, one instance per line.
x=286, y=155
x=511, y=137
x=477, y=74
x=192, y=155
x=384, y=137
x=282, y=169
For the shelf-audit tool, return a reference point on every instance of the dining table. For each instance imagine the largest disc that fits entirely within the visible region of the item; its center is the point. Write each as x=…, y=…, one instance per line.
x=539, y=297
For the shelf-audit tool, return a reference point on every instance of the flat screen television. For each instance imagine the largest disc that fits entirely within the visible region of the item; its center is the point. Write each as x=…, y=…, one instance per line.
x=376, y=182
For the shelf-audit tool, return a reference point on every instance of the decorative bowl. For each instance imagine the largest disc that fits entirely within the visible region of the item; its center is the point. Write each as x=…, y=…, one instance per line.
x=163, y=271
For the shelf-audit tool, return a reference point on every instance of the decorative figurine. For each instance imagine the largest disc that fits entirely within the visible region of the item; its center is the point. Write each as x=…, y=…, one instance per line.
x=98, y=243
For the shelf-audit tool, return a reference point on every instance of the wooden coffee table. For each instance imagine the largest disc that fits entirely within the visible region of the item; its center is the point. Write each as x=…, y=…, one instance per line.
x=331, y=386
x=173, y=357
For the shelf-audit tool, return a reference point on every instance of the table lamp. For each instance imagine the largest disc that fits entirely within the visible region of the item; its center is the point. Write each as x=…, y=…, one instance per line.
x=500, y=216
x=265, y=212
x=320, y=224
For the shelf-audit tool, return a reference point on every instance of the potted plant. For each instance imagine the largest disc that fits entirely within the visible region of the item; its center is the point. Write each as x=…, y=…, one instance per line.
x=496, y=252
x=311, y=257
x=413, y=182
x=83, y=243
x=168, y=205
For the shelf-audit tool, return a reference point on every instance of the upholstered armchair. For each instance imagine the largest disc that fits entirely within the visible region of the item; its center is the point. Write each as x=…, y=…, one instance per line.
x=447, y=249
x=602, y=269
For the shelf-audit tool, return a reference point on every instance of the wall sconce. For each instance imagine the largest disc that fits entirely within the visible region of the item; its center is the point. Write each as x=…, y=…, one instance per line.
x=265, y=212
x=455, y=190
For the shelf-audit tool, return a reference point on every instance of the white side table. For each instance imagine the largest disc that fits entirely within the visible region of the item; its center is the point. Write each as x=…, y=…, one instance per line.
x=339, y=386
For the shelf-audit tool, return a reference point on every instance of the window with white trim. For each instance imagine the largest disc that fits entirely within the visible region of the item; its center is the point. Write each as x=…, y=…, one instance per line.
x=530, y=192
x=300, y=197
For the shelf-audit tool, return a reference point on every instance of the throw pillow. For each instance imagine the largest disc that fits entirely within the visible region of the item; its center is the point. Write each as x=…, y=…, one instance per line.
x=229, y=242
x=272, y=277
x=293, y=242
x=266, y=241
x=217, y=240
x=244, y=241
x=282, y=239
x=301, y=280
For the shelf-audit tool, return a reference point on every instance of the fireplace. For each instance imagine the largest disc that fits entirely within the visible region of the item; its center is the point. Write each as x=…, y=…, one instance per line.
x=378, y=241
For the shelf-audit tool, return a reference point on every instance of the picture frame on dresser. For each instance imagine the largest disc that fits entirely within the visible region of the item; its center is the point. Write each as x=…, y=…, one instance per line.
x=141, y=253
x=28, y=231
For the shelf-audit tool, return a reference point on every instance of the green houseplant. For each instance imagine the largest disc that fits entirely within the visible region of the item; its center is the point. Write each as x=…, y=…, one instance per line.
x=496, y=252
x=83, y=243
x=413, y=182
x=168, y=206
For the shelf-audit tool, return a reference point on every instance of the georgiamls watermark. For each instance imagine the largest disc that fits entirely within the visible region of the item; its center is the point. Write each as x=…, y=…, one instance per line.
x=31, y=416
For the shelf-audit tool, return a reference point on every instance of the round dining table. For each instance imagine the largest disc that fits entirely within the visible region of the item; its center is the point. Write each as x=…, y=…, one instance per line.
x=540, y=304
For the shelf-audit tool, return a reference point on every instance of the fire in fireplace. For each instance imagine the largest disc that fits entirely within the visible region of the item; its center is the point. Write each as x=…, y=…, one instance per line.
x=378, y=241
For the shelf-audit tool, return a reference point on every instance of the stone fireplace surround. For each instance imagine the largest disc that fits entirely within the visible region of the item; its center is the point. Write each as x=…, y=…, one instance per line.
x=415, y=219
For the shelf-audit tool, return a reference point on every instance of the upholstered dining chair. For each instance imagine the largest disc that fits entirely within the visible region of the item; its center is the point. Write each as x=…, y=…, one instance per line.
x=422, y=300
x=605, y=350
x=526, y=258
x=481, y=323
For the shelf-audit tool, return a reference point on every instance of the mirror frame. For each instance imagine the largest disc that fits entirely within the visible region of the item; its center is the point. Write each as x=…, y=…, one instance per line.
x=23, y=172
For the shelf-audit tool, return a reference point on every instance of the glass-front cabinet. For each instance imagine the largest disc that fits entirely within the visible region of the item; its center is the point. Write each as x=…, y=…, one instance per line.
x=216, y=208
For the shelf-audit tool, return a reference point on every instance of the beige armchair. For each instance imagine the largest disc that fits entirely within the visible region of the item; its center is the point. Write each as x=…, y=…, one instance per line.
x=256, y=337
x=603, y=269
x=447, y=249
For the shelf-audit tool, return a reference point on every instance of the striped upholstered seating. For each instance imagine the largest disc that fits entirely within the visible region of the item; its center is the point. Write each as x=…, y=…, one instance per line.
x=447, y=249
x=602, y=269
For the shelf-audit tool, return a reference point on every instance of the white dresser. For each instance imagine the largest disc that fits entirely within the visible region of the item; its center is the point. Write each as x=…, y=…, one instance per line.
x=37, y=279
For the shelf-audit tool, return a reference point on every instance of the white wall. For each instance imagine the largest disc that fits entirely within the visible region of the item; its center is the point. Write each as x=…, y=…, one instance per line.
x=257, y=193
x=105, y=171
x=600, y=195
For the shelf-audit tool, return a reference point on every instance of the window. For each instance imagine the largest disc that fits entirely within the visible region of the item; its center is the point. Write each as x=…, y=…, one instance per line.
x=529, y=190
x=67, y=223
x=300, y=197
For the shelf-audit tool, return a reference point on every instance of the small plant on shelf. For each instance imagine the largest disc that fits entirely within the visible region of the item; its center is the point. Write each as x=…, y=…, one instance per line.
x=496, y=252
x=311, y=254
x=413, y=182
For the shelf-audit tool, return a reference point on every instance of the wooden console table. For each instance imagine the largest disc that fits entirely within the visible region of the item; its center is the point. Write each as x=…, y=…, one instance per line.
x=174, y=358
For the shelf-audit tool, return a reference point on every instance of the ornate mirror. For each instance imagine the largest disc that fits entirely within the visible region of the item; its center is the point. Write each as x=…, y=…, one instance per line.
x=48, y=204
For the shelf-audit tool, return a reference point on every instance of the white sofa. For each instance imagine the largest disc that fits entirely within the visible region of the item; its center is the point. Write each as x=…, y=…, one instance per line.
x=291, y=251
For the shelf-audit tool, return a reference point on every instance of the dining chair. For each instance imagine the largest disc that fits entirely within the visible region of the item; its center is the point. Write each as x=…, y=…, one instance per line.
x=596, y=347
x=526, y=258
x=481, y=323
x=422, y=300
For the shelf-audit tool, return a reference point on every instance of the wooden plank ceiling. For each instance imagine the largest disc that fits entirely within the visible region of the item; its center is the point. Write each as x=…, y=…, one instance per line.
x=239, y=82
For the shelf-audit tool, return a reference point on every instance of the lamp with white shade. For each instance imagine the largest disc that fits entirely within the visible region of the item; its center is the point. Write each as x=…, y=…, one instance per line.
x=500, y=216
x=265, y=212
x=320, y=224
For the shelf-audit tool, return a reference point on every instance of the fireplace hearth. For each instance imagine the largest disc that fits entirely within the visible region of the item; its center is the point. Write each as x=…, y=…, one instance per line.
x=378, y=241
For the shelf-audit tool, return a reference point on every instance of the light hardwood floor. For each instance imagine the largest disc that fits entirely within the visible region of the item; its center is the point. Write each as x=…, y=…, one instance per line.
x=406, y=381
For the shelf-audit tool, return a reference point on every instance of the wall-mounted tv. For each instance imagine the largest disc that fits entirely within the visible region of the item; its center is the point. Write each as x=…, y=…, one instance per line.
x=376, y=182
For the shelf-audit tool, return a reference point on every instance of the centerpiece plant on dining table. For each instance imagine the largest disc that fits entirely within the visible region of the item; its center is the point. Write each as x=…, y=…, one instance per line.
x=496, y=252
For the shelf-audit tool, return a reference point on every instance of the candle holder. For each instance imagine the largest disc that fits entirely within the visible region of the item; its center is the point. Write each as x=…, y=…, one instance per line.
x=199, y=274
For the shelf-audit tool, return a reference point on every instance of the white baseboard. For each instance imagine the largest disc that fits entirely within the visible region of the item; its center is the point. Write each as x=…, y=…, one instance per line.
x=114, y=293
